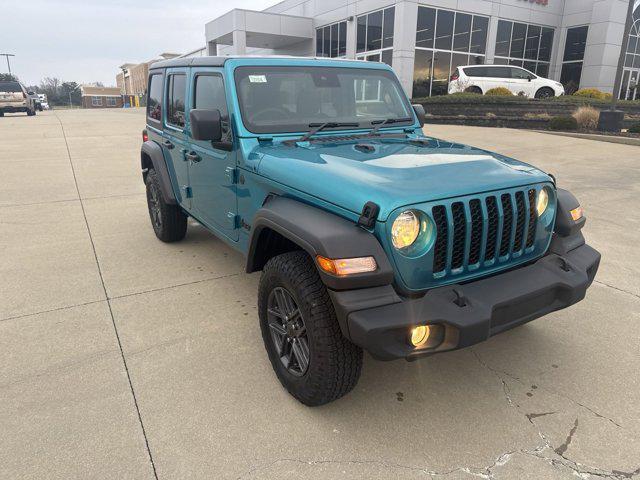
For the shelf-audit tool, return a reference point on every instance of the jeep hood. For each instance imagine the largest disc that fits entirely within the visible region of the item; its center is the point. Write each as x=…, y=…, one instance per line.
x=392, y=173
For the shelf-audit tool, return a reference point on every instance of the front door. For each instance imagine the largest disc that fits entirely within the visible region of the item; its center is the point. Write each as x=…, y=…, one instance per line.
x=174, y=141
x=521, y=81
x=212, y=167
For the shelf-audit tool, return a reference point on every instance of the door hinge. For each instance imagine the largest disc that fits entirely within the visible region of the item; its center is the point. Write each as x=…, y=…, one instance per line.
x=233, y=220
x=187, y=191
x=232, y=174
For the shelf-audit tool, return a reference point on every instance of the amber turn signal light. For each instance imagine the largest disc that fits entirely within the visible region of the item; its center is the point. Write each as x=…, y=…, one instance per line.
x=346, y=266
x=577, y=213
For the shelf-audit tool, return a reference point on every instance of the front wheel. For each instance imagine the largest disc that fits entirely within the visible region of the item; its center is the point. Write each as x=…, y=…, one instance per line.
x=309, y=354
x=545, y=92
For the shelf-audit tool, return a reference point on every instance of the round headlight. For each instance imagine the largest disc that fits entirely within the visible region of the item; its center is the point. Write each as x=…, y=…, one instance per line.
x=405, y=229
x=543, y=202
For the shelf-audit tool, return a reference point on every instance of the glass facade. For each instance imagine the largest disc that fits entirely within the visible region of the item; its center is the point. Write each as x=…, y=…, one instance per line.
x=331, y=40
x=572, y=59
x=375, y=36
x=524, y=45
x=631, y=72
x=444, y=41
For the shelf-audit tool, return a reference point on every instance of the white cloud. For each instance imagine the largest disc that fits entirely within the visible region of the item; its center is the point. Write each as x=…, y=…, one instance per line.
x=86, y=40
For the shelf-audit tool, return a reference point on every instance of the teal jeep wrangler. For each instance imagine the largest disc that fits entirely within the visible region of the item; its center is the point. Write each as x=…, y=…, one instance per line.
x=368, y=234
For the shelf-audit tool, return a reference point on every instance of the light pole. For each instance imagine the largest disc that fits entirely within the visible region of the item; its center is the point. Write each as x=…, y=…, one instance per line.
x=7, y=55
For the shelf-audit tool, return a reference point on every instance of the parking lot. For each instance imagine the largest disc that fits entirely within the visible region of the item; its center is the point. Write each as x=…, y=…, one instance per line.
x=126, y=358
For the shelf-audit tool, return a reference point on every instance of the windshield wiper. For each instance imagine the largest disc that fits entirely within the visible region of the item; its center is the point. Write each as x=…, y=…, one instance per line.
x=317, y=127
x=381, y=123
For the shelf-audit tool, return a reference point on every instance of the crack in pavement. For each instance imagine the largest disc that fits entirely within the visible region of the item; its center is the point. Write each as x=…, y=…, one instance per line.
x=581, y=470
x=616, y=288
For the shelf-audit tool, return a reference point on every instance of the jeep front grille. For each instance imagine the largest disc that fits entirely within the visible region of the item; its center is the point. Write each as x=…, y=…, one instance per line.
x=490, y=230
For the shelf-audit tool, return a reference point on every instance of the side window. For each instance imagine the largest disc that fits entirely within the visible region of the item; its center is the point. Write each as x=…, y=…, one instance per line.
x=519, y=74
x=499, y=72
x=154, y=102
x=175, y=100
x=476, y=71
x=210, y=95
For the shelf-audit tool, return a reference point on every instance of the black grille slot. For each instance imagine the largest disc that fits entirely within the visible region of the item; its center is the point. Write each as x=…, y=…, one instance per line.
x=533, y=218
x=492, y=230
x=507, y=213
x=476, y=231
x=521, y=216
x=459, y=233
x=440, y=249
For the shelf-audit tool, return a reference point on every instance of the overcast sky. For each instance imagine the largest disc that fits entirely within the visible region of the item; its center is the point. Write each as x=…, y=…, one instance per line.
x=86, y=40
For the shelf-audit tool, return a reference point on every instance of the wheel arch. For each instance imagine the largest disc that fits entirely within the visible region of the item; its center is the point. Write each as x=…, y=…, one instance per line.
x=151, y=156
x=284, y=224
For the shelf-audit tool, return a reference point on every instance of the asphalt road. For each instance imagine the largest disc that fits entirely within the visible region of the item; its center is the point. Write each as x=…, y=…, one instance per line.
x=125, y=358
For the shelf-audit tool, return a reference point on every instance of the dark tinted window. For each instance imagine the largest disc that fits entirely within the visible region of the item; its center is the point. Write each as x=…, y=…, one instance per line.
x=517, y=39
x=334, y=40
x=546, y=41
x=327, y=41
x=519, y=73
x=462, y=33
x=570, y=76
x=319, y=39
x=503, y=38
x=576, y=41
x=362, y=34
x=154, y=102
x=389, y=18
x=440, y=82
x=387, y=57
x=210, y=95
x=374, y=31
x=479, y=34
x=342, y=42
x=426, y=27
x=444, y=29
x=533, y=41
x=422, y=73
x=175, y=107
x=476, y=71
x=11, y=87
x=499, y=72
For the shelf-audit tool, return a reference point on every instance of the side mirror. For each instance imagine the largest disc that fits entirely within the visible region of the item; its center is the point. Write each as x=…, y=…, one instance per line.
x=30, y=93
x=420, y=113
x=206, y=125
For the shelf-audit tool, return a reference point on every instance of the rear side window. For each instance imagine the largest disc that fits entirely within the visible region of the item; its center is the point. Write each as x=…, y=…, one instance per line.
x=10, y=87
x=154, y=103
x=475, y=71
x=498, y=72
x=210, y=95
x=175, y=100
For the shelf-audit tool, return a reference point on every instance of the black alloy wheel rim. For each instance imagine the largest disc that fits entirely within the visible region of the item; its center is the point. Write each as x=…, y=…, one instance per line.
x=288, y=331
x=154, y=206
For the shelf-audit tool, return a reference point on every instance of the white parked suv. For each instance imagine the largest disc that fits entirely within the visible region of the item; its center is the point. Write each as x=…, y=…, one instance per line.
x=480, y=78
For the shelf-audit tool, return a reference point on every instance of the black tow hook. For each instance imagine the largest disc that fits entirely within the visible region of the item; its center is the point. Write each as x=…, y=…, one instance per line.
x=460, y=300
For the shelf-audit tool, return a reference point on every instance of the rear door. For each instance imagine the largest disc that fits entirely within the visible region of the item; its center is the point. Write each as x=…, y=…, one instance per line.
x=174, y=137
x=213, y=164
x=497, y=77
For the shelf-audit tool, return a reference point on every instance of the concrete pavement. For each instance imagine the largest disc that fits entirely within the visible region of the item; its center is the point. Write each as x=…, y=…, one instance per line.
x=123, y=357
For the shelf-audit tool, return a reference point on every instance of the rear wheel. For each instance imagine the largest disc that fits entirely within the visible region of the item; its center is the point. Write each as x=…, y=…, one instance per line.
x=545, y=92
x=474, y=89
x=309, y=354
x=31, y=112
x=169, y=221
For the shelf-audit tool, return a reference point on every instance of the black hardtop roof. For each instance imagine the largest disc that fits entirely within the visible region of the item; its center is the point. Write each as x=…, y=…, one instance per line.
x=219, y=61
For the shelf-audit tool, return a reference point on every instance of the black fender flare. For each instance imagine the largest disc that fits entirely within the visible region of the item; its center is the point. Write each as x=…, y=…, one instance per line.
x=567, y=232
x=319, y=232
x=151, y=150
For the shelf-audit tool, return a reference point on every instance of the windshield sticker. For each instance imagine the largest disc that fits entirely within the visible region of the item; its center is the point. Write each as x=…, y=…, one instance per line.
x=258, y=78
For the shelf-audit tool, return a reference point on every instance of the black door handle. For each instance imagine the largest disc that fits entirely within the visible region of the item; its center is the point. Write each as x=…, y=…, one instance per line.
x=192, y=157
x=167, y=144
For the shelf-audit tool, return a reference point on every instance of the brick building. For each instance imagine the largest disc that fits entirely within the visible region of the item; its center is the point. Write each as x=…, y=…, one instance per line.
x=100, y=97
x=132, y=79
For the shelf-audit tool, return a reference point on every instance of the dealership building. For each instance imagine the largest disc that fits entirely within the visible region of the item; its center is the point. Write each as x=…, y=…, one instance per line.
x=576, y=42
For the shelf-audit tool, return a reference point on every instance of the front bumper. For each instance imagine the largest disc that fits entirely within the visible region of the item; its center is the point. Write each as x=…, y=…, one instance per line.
x=379, y=321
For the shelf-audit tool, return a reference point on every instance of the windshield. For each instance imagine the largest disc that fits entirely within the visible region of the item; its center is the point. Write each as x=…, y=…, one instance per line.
x=294, y=99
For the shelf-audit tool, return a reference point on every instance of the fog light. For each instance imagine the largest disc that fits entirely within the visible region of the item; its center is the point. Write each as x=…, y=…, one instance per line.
x=420, y=335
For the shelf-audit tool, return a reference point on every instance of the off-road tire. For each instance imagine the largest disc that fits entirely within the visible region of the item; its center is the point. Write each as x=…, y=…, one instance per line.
x=169, y=222
x=1, y=114
x=31, y=112
x=334, y=362
x=545, y=92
